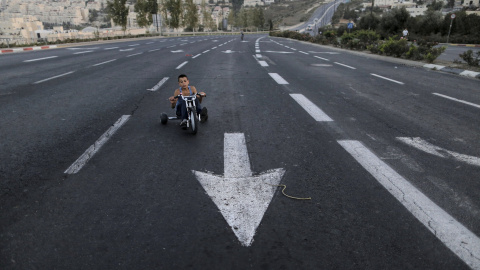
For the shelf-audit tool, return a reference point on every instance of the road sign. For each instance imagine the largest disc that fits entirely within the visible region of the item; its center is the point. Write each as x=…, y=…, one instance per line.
x=452, y=16
x=350, y=25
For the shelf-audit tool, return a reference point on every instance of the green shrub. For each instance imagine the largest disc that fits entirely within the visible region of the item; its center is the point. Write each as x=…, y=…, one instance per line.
x=470, y=59
x=394, y=47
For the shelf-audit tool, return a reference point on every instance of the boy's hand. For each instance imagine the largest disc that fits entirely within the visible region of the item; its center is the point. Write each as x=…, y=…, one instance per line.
x=202, y=94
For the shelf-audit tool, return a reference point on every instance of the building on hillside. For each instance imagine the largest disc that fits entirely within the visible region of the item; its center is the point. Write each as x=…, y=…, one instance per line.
x=416, y=10
x=468, y=3
x=269, y=2
x=252, y=3
x=20, y=26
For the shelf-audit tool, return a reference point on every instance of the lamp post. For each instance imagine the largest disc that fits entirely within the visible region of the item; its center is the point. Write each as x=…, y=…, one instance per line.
x=450, y=29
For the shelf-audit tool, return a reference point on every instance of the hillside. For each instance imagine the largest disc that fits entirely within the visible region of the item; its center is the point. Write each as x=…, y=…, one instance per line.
x=291, y=13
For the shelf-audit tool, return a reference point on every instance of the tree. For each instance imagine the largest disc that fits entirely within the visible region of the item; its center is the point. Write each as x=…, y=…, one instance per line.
x=118, y=12
x=93, y=15
x=145, y=9
x=191, y=16
x=174, y=8
x=395, y=21
x=258, y=17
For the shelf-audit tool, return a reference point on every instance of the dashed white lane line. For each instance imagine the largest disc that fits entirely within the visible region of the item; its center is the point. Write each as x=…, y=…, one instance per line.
x=278, y=78
x=134, y=54
x=206, y=51
x=196, y=56
x=321, y=58
x=263, y=63
x=458, y=100
x=311, y=108
x=158, y=85
x=104, y=62
x=133, y=45
x=182, y=64
x=83, y=52
x=344, y=65
x=93, y=149
x=303, y=52
x=385, y=78
x=39, y=59
x=54, y=77
x=154, y=50
x=112, y=48
x=460, y=240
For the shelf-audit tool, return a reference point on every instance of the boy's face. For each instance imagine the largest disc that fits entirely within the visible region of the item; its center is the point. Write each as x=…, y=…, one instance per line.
x=183, y=82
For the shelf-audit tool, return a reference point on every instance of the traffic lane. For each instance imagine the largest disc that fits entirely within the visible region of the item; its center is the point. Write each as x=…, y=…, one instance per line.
x=46, y=128
x=138, y=195
x=380, y=112
x=72, y=59
x=392, y=90
x=452, y=53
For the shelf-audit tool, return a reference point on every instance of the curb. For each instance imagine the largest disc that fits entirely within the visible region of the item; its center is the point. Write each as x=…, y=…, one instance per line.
x=461, y=45
x=27, y=49
x=462, y=72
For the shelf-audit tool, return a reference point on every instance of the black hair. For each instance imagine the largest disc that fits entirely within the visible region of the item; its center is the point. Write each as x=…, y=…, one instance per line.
x=182, y=76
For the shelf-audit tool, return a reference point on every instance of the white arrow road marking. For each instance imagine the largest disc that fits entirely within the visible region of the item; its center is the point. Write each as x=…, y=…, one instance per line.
x=241, y=197
x=425, y=146
x=459, y=239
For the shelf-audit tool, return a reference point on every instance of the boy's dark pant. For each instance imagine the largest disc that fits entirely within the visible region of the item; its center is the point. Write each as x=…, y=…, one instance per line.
x=181, y=108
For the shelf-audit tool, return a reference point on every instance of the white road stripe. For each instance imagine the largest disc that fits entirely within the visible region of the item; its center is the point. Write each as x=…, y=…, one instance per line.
x=182, y=64
x=258, y=55
x=93, y=149
x=206, y=51
x=321, y=58
x=104, y=62
x=154, y=50
x=263, y=63
x=214, y=48
x=344, y=65
x=133, y=45
x=54, y=77
x=38, y=59
x=303, y=52
x=133, y=54
x=159, y=84
x=196, y=56
x=459, y=239
x=111, y=48
x=83, y=52
x=278, y=78
x=311, y=108
x=385, y=78
x=458, y=100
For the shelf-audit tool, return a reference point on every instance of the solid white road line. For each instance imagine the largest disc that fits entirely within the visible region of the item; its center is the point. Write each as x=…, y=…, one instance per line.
x=104, y=62
x=54, y=77
x=93, y=149
x=321, y=58
x=458, y=100
x=38, y=59
x=343, y=65
x=83, y=52
x=158, y=85
x=385, y=78
x=460, y=240
x=182, y=64
x=278, y=78
x=311, y=108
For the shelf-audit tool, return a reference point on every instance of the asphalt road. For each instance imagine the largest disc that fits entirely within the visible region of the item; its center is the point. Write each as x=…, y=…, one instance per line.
x=388, y=154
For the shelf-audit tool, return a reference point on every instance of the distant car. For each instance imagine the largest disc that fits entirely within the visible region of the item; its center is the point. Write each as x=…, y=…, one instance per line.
x=309, y=27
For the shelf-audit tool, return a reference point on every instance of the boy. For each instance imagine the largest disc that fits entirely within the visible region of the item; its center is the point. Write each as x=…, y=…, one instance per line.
x=180, y=104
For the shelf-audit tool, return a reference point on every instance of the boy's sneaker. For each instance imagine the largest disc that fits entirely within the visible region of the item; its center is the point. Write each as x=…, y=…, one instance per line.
x=183, y=124
x=204, y=114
